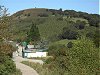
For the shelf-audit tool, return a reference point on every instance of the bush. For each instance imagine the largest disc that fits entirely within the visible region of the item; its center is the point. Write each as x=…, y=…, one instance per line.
x=60, y=18
x=96, y=38
x=84, y=58
x=81, y=59
x=70, y=45
x=6, y=65
x=59, y=61
x=53, y=49
x=68, y=33
x=90, y=35
x=3, y=70
x=6, y=49
x=80, y=24
x=17, y=72
x=43, y=15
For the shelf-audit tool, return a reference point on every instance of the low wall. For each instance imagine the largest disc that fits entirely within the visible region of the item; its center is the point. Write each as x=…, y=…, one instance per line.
x=37, y=54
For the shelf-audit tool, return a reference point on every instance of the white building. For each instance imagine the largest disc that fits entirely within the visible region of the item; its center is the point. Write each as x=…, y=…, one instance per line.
x=31, y=51
x=31, y=54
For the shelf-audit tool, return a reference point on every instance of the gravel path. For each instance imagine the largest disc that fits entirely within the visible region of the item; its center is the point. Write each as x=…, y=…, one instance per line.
x=26, y=70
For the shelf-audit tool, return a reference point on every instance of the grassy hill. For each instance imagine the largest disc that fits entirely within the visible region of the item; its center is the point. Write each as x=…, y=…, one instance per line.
x=49, y=22
x=30, y=13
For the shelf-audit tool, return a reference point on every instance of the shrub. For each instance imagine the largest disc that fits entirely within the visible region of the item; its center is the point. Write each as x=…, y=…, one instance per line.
x=6, y=49
x=80, y=24
x=3, y=70
x=60, y=18
x=6, y=65
x=81, y=59
x=90, y=35
x=70, y=45
x=68, y=33
x=84, y=58
x=17, y=72
x=43, y=15
x=96, y=38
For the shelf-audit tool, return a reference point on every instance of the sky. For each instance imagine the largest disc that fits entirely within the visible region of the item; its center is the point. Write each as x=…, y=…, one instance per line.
x=90, y=6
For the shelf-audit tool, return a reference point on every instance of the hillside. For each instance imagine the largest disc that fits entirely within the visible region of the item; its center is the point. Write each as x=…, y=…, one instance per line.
x=49, y=21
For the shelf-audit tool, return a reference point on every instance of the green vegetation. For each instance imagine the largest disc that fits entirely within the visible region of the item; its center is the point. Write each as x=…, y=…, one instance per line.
x=81, y=59
x=52, y=22
x=63, y=42
x=33, y=34
x=54, y=25
x=17, y=72
x=7, y=66
x=6, y=49
x=42, y=70
x=96, y=38
x=73, y=40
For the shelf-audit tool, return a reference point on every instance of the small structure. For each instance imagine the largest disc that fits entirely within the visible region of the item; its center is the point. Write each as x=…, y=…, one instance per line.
x=34, y=51
x=30, y=51
x=31, y=54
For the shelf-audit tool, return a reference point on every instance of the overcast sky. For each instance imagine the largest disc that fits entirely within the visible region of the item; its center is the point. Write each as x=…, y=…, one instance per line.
x=90, y=6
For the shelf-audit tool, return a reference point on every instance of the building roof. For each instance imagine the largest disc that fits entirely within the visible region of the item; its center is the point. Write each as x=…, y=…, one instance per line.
x=34, y=50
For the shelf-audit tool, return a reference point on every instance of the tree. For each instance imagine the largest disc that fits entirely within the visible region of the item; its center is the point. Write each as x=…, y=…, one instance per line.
x=5, y=48
x=71, y=13
x=80, y=24
x=68, y=34
x=6, y=64
x=4, y=23
x=96, y=38
x=33, y=34
x=94, y=20
x=60, y=11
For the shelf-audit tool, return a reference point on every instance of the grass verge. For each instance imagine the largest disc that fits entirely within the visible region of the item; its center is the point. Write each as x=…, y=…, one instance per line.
x=41, y=69
x=18, y=72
